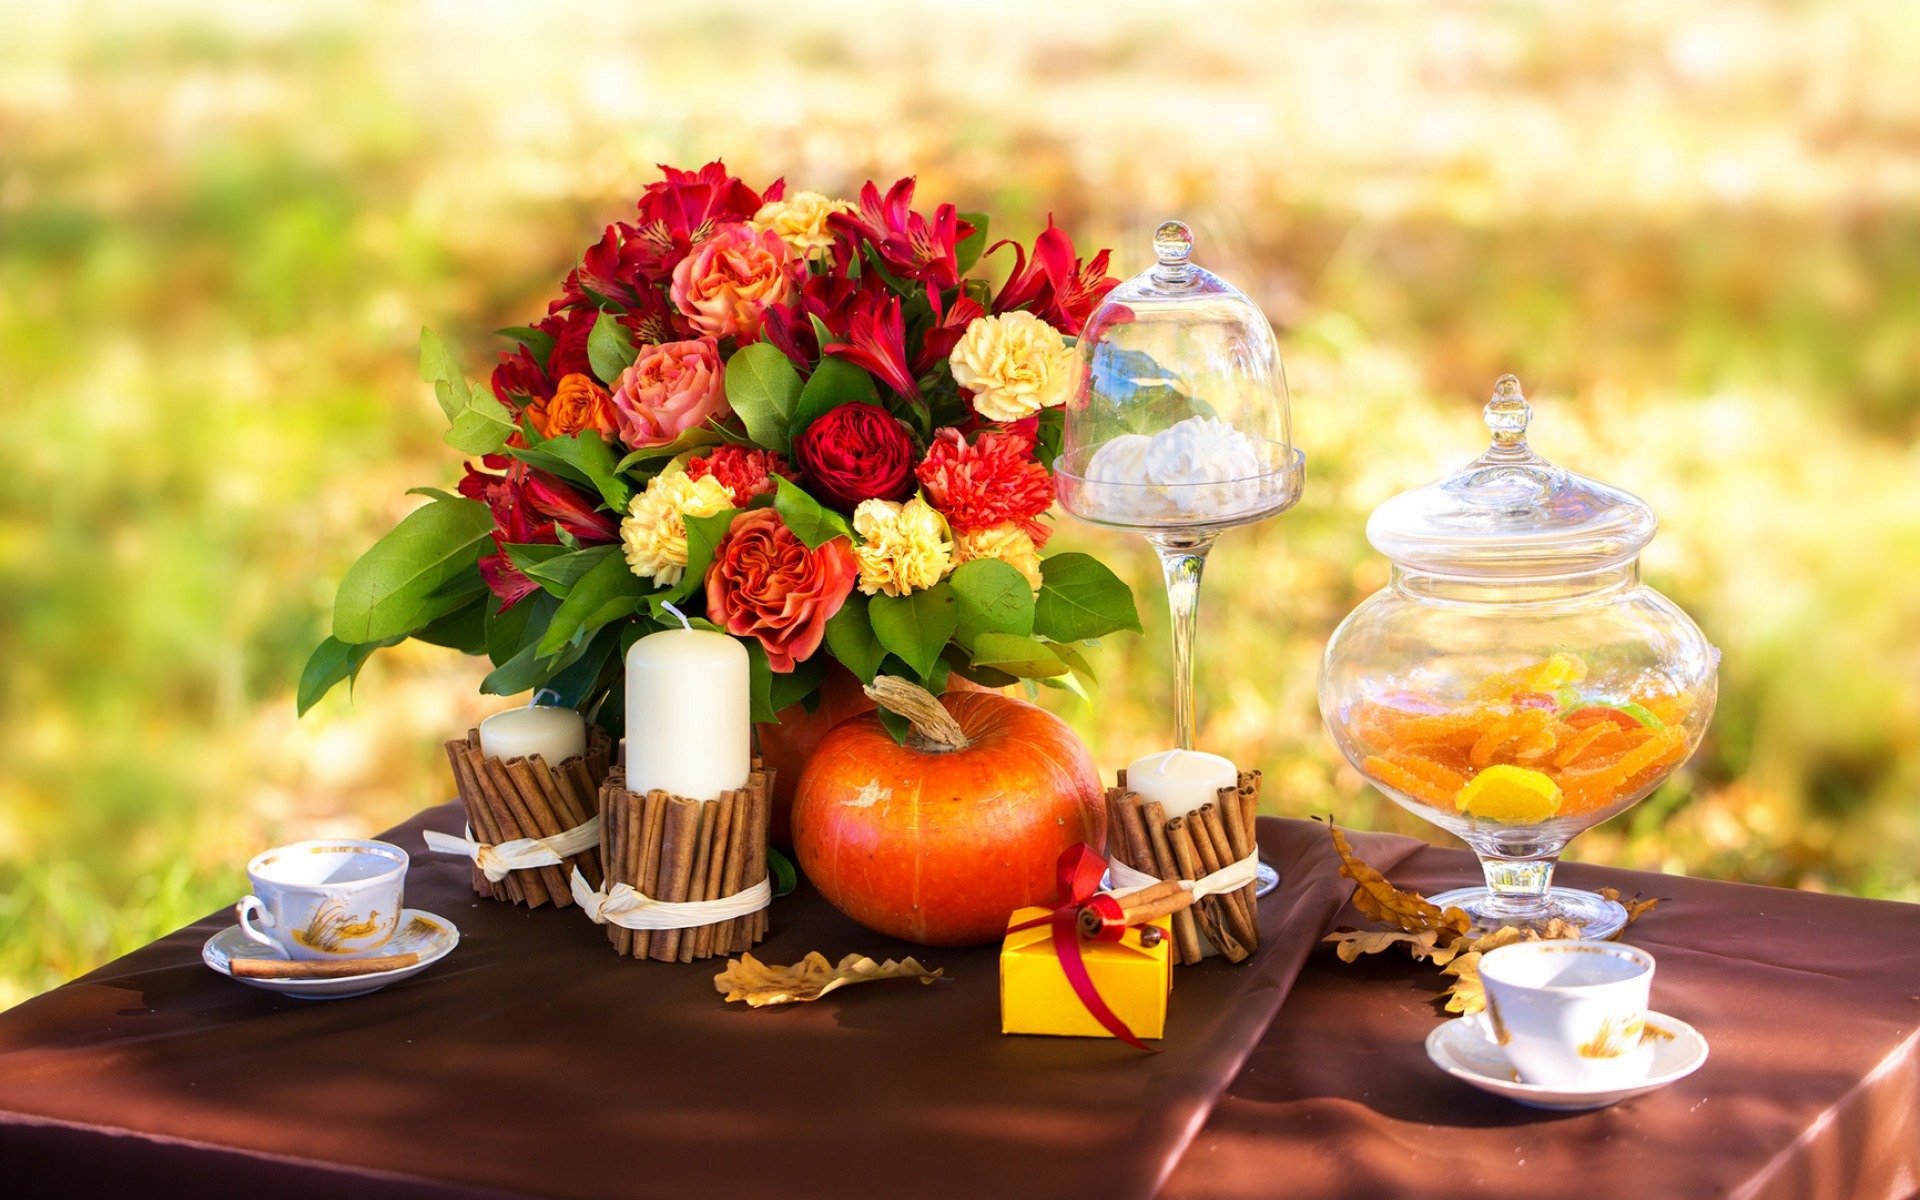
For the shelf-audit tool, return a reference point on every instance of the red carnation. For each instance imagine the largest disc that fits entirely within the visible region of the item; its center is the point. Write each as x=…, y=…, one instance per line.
x=990, y=482
x=856, y=452
x=765, y=584
x=745, y=471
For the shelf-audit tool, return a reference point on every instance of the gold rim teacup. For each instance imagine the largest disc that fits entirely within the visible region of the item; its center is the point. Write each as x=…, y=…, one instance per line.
x=1570, y=1014
x=331, y=898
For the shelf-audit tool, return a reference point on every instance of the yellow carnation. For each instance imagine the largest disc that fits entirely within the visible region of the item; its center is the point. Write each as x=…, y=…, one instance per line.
x=1015, y=364
x=903, y=547
x=800, y=220
x=655, y=529
x=1007, y=542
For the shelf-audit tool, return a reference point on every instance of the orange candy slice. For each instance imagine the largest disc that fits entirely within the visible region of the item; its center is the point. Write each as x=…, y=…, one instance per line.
x=1509, y=794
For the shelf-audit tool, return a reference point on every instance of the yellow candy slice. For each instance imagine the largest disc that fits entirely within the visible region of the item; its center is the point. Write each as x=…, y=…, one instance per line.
x=1509, y=794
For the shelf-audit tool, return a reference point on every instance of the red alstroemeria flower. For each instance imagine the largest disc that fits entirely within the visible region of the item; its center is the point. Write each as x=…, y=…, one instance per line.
x=949, y=326
x=877, y=341
x=990, y=481
x=529, y=508
x=683, y=208
x=824, y=294
x=1054, y=285
x=910, y=245
x=521, y=378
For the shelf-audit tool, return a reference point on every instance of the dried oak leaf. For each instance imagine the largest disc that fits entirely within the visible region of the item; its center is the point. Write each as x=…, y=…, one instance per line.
x=1350, y=944
x=761, y=984
x=1636, y=908
x=1467, y=994
x=1381, y=901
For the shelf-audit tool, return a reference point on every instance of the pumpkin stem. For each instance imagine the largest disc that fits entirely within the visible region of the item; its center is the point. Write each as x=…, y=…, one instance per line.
x=934, y=729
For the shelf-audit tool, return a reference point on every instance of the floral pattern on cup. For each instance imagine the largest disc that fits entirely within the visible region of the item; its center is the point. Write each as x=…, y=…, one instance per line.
x=331, y=898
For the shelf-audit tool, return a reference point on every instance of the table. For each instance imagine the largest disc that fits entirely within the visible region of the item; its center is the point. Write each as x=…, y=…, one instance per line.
x=535, y=1062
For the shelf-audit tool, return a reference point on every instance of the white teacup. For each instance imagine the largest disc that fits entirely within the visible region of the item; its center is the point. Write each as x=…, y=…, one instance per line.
x=329, y=899
x=1570, y=1014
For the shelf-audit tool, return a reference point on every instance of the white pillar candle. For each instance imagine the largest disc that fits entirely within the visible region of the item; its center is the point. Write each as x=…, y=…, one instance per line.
x=689, y=715
x=1181, y=780
x=555, y=734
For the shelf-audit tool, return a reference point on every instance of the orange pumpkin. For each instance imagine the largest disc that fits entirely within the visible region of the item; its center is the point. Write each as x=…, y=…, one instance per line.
x=937, y=841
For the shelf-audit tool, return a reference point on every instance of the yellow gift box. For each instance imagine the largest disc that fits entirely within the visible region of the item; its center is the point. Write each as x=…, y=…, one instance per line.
x=1132, y=978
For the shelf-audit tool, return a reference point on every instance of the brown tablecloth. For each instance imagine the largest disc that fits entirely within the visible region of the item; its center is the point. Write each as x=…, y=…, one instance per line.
x=534, y=1062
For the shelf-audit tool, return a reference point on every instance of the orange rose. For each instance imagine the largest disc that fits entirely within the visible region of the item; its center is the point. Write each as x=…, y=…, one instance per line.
x=578, y=403
x=765, y=584
x=728, y=281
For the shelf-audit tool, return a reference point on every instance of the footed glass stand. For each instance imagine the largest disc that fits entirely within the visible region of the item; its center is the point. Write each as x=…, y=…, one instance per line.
x=1520, y=891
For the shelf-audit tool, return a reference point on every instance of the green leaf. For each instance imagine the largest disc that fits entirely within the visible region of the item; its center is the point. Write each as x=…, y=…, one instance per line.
x=538, y=344
x=810, y=521
x=1080, y=598
x=821, y=333
x=394, y=587
x=432, y=493
x=464, y=629
x=993, y=598
x=692, y=439
x=916, y=626
x=763, y=388
x=968, y=249
x=851, y=640
x=791, y=688
x=606, y=592
x=573, y=682
x=610, y=349
x=587, y=456
x=759, y=684
x=558, y=573
x=1022, y=656
x=518, y=626
x=780, y=869
x=332, y=661
x=833, y=383
x=704, y=535
x=1071, y=655
x=437, y=366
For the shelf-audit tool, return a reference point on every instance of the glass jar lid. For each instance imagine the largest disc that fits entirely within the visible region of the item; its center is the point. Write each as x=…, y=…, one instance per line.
x=1511, y=513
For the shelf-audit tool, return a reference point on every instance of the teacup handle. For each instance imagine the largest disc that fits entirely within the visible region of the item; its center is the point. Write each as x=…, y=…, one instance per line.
x=249, y=910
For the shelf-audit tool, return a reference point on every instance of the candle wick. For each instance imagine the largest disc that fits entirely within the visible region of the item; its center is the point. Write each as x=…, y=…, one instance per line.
x=534, y=700
x=684, y=623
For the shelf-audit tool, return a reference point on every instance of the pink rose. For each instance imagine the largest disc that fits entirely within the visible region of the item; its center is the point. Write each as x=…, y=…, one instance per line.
x=728, y=281
x=669, y=389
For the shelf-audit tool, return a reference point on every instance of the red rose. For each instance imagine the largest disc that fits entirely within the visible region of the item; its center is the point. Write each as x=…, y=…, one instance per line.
x=765, y=584
x=856, y=452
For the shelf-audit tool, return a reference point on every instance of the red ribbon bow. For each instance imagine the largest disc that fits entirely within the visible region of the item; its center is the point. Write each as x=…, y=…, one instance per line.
x=1078, y=875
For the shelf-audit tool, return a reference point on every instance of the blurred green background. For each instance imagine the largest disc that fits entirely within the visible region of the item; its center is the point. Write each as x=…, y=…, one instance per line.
x=1690, y=228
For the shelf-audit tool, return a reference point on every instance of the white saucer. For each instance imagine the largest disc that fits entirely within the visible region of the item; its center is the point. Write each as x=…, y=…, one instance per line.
x=1463, y=1050
x=431, y=937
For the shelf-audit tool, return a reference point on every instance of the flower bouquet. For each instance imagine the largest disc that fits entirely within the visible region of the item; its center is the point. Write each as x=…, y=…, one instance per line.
x=794, y=419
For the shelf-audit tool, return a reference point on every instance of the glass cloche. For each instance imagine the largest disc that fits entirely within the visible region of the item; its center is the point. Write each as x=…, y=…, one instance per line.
x=1179, y=427
x=1516, y=683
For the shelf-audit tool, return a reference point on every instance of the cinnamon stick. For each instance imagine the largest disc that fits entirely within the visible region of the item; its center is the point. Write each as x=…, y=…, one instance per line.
x=1116, y=836
x=731, y=935
x=708, y=936
x=469, y=801
x=495, y=790
x=753, y=926
x=697, y=882
x=1139, y=849
x=278, y=968
x=544, y=823
x=645, y=857
x=1207, y=912
x=1186, y=934
x=573, y=813
x=682, y=826
x=613, y=822
x=1210, y=839
x=1138, y=908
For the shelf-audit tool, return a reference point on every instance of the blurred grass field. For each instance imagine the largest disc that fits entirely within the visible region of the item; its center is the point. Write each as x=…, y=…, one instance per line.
x=1691, y=229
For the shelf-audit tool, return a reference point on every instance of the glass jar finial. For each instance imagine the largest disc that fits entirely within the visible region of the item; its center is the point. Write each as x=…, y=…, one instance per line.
x=1172, y=245
x=1508, y=412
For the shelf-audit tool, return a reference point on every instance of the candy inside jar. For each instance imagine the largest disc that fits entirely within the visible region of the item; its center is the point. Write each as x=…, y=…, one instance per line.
x=1516, y=683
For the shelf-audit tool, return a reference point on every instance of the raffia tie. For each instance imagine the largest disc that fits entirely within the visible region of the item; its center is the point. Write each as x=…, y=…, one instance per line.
x=625, y=906
x=496, y=862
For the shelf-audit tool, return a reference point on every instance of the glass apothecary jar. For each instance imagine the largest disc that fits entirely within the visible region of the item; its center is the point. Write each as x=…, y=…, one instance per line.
x=1516, y=683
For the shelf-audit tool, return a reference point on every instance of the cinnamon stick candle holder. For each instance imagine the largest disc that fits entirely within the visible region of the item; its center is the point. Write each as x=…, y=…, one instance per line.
x=1212, y=837
x=673, y=850
x=517, y=800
